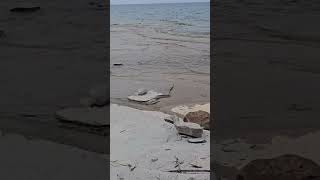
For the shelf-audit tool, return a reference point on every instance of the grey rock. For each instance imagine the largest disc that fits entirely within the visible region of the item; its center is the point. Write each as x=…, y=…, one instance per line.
x=187, y=128
x=146, y=97
x=141, y=92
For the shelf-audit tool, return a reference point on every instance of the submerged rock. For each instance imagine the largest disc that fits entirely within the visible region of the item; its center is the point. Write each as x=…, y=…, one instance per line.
x=285, y=167
x=200, y=117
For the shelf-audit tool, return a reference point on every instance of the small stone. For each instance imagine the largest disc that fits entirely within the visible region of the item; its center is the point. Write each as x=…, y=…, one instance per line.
x=200, y=117
x=196, y=140
x=190, y=129
x=142, y=91
x=154, y=159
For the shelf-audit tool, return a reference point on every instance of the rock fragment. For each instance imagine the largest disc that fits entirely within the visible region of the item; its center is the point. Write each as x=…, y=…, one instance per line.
x=188, y=128
x=141, y=91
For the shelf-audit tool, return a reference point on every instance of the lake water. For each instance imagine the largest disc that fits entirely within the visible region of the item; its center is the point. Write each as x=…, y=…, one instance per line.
x=173, y=18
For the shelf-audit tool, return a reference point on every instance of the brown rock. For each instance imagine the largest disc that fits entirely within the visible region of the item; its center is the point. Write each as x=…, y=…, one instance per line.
x=200, y=117
x=285, y=167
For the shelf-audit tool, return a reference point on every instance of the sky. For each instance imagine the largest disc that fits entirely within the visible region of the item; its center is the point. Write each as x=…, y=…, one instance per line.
x=153, y=1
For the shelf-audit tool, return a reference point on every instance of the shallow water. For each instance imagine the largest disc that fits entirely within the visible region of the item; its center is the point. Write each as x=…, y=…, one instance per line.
x=158, y=43
x=173, y=18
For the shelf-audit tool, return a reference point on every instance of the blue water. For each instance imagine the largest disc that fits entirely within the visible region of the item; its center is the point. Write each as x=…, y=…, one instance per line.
x=174, y=18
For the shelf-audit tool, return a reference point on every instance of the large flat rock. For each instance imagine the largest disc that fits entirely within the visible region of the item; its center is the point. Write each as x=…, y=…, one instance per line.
x=146, y=97
x=122, y=88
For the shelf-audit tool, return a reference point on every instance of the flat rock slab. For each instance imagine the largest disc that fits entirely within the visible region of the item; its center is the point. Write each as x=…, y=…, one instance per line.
x=190, y=129
x=85, y=116
x=122, y=88
x=150, y=95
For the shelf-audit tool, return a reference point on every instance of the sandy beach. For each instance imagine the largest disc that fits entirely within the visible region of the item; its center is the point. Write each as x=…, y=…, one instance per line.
x=150, y=55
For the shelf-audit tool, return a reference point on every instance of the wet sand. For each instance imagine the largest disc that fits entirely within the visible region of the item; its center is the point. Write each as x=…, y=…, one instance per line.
x=149, y=56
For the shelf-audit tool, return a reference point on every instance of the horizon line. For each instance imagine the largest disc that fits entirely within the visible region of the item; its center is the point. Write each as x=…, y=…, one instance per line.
x=161, y=3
